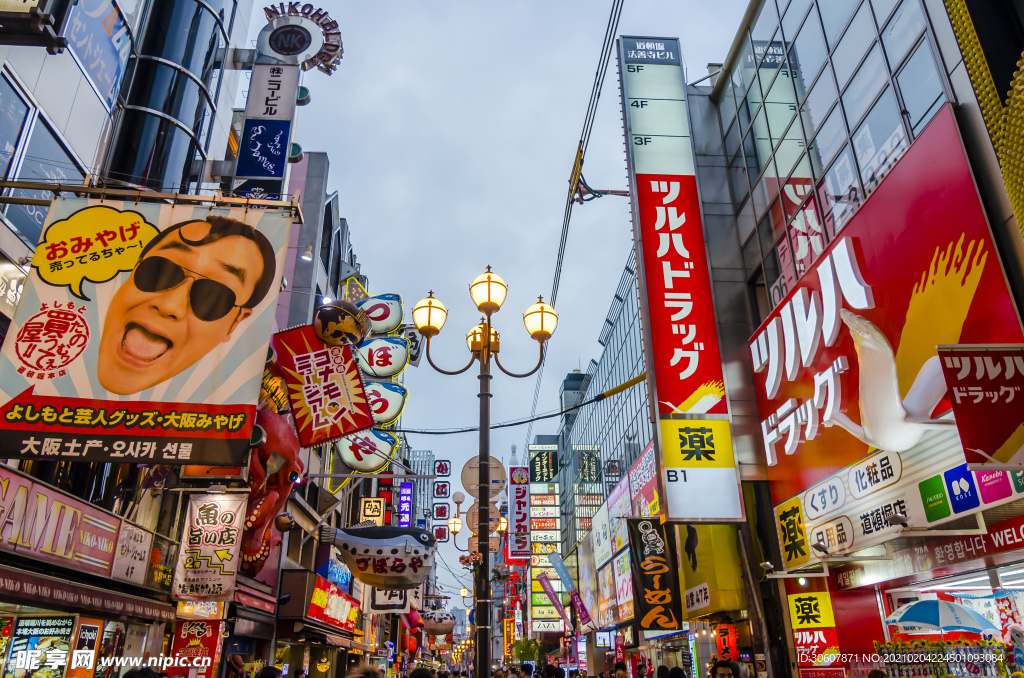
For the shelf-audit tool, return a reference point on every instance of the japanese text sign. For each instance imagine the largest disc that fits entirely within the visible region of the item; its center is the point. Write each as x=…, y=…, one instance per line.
x=519, y=512
x=263, y=149
x=643, y=484
x=727, y=642
x=99, y=37
x=655, y=576
x=543, y=463
x=700, y=470
x=986, y=388
x=372, y=509
x=818, y=647
x=709, y=568
x=811, y=611
x=837, y=371
x=212, y=535
x=405, y=505
x=272, y=91
x=194, y=639
x=122, y=300
x=324, y=386
x=330, y=605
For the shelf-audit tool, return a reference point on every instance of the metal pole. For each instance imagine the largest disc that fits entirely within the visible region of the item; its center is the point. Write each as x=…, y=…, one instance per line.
x=483, y=589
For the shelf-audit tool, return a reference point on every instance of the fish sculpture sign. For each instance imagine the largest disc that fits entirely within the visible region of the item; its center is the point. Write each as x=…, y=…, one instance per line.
x=854, y=413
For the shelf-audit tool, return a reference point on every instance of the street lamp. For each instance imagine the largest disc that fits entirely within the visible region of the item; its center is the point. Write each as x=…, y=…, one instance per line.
x=488, y=292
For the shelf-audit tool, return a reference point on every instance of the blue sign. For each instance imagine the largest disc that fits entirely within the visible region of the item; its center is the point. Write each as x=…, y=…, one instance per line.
x=405, y=505
x=263, y=150
x=336, y=572
x=562, y=570
x=98, y=35
x=260, y=189
x=963, y=494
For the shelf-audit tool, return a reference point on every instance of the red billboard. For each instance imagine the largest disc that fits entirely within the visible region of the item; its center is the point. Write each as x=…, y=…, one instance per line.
x=331, y=605
x=847, y=361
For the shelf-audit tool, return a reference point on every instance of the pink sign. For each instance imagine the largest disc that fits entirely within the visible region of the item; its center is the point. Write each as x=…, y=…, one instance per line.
x=545, y=584
x=45, y=524
x=643, y=484
x=519, y=513
x=581, y=609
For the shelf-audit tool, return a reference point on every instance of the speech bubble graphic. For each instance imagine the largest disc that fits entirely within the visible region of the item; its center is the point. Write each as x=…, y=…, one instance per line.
x=93, y=244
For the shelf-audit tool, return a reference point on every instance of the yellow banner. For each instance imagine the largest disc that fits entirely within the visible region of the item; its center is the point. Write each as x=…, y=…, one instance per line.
x=697, y=443
x=710, y=575
x=789, y=518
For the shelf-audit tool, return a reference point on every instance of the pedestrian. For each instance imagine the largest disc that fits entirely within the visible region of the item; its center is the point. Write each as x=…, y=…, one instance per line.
x=662, y=671
x=265, y=672
x=420, y=673
x=298, y=673
x=676, y=672
x=620, y=670
x=724, y=669
x=527, y=670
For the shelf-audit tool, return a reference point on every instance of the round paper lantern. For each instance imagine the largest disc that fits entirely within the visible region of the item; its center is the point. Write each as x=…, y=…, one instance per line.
x=437, y=622
x=412, y=645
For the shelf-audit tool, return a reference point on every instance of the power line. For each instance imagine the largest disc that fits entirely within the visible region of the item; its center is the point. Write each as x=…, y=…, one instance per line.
x=577, y=167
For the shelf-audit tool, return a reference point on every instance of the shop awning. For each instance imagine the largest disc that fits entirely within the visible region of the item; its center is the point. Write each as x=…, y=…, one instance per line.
x=39, y=590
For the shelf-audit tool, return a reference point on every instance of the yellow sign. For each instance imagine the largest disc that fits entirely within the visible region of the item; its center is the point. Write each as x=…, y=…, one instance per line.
x=93, y=244
x=544, y=612
x=789, y=518
x=811, y=611
x=372, y=509
x=710, y=576
x=697, y=443
x=200, y=609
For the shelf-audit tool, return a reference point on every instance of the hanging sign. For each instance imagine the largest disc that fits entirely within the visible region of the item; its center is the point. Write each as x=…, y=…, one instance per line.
x=555, y=600
x=208, y=560
x=132, y=555
x=643, y=484
x=272, y=92
x=385, y=312
x=518, y=510
x=702, y=482
x=386, y=400
x=195, y=639
x=387, y=601
x=372, y=509
x=442, y=468
x=383, y=357
x=192, y=395
x=441, y=511
x=656, y=577
x=442, y=489
x=324, y=386
x=368, y=451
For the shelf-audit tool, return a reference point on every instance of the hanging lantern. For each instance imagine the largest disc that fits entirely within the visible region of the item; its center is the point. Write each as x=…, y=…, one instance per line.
x=437, y=622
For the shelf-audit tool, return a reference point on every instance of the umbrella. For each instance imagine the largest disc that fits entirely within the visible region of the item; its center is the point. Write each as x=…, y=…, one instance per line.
x=942, y=616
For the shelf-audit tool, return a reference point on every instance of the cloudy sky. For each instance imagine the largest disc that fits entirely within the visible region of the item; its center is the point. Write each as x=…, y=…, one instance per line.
x=451, y=129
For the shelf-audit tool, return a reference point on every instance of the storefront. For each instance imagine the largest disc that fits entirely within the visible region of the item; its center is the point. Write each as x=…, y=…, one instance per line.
x=316, y=626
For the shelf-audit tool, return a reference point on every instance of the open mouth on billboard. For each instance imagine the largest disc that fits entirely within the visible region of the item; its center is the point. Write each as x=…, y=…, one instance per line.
x=142, y=345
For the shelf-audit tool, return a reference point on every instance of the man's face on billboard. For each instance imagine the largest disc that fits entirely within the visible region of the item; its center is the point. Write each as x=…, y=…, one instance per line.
x=151, y=336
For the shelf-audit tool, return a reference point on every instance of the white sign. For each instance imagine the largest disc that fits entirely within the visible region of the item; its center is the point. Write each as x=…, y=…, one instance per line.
x=544, y=512
x=545, y=536
x=132, y=555
x=208, y=558
x=272, y=92
x=555, y=625
x=601, y=537
x=697, y=597
x=380, y=601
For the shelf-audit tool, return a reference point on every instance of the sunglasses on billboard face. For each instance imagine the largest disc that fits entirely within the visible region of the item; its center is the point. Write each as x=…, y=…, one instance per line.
x=208, y=299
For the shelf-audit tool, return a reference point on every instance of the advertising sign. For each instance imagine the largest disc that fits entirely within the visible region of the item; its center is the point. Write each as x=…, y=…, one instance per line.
x=47, y=525
x=588, y=577
x=519, y=512
x=702, y=481
x=272, y=91
x=132, y=554
x=331, y=605
x=619, y=507
x=211, y=537
x=602, y=539
x=727, y=642
x=46, y=635
x=263, y=150
x=325, y=387
x=98, y=36
x=840, y=374
x=442, y=468
x=983, y=382
x=819, y=647
x=194, y=639
x=709, y=561
x=372, y=509
x=811, y=611
x=543, y=463
x=607, y=607
x=655, y=576
x=405, y=505
x=381, y=601
x=623, y=585
x=131, y=346
x=82, y=657
x=556, y=602
x=643, y=484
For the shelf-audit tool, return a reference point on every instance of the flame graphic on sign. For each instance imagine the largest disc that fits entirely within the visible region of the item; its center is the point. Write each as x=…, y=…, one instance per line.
x=704, y=397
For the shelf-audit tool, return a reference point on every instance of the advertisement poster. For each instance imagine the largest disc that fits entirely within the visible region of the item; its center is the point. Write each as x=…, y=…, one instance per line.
x=701, y=478
x=623, y=585
x=588, y=577
x=325, y=386
x=619, y=507
x=141, y=334
x=656, y=576
x=111, y=645
x=98, y=35
x=42, y=634
x=82, y=658
x=6, y=631
x=208, y=560
x=840, y=375
x=709, y=561
x=819, y=647
x=545, y=583
x=193, y=639
x=643, y=484
x=602, y=539
x=519, y=512
x=331, y=606
x=607, y=607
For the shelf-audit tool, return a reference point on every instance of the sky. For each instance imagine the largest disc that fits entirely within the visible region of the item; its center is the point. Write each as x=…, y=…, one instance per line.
x=451, y=129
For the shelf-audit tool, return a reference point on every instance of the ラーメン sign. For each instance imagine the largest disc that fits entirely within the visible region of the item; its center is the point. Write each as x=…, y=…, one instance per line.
x=129, y=345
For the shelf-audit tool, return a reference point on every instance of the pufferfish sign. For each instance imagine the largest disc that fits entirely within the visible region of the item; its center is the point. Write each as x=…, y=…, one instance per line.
x=846, y=365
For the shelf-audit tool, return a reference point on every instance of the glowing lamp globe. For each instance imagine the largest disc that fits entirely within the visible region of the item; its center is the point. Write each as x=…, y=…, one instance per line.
x=502, y=524
x=540, y=320
x=454, y=524
x=429, y=315
x=475, y=338
x=488, y=292
x=463, y=592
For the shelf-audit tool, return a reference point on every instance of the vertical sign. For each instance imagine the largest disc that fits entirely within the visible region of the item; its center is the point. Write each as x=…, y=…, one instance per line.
x=405, y=505
x=519, y=512
x=656, y=578
x=675, y=277
x=208, y=560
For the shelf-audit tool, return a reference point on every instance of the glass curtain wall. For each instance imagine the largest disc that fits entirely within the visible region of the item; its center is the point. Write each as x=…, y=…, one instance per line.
x=825, y=97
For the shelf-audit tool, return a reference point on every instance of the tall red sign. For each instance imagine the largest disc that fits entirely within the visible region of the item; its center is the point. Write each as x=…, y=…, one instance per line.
x=519, y=513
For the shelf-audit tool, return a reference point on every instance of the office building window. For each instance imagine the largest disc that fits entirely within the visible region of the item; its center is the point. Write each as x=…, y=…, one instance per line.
x=13, y=114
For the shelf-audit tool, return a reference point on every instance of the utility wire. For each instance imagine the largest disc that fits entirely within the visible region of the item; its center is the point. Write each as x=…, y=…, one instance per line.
x=577, y=167
x=529, y=420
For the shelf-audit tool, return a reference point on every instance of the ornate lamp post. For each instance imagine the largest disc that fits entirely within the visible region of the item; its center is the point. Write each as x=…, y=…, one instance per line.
x=488, y=291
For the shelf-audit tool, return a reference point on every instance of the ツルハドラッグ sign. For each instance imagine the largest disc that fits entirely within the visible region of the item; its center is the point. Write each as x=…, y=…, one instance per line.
x=141, y=334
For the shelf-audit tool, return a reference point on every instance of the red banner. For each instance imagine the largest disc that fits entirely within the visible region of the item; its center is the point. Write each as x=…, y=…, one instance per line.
x=332, y=606
x=194, y=639
x=687, y=362
x=986, y=389
x=727, y=642
x=324, y=386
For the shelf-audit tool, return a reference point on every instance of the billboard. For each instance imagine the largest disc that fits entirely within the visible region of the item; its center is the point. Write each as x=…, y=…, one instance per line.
x=141, y=334
x=840, y=375
x=519, y=512
x=681, y=342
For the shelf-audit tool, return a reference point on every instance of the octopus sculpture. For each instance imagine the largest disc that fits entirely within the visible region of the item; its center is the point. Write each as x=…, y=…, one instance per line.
x=274, y=469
